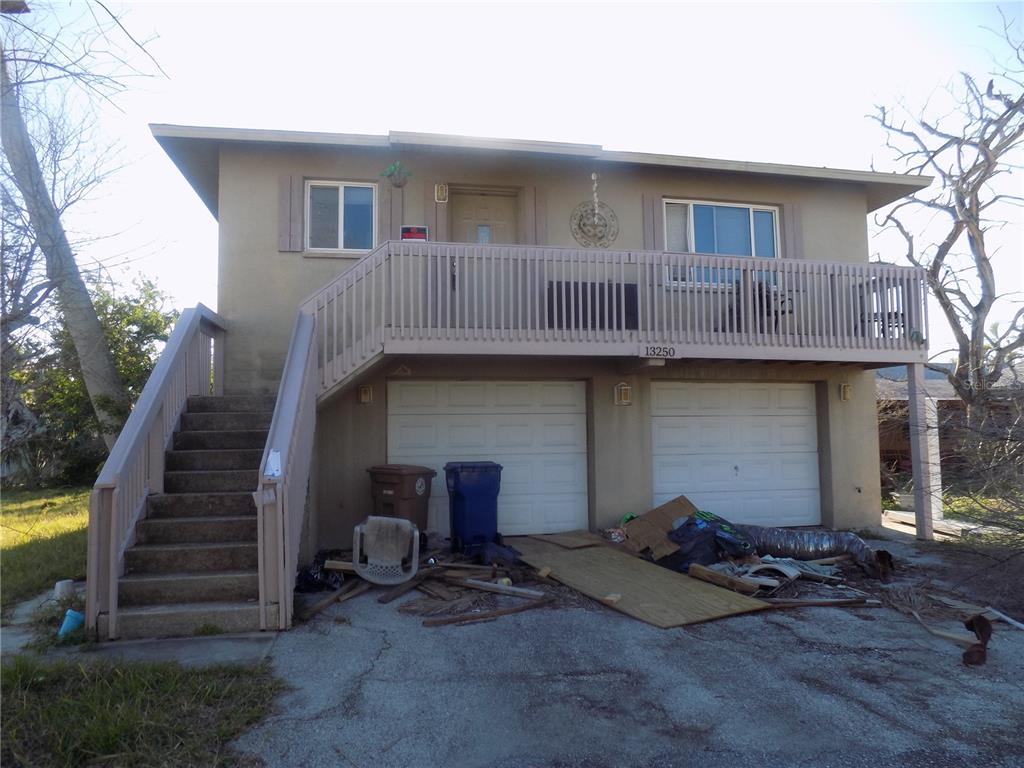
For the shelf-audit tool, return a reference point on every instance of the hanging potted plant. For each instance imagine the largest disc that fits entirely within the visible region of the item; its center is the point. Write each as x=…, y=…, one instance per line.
x=397, y=173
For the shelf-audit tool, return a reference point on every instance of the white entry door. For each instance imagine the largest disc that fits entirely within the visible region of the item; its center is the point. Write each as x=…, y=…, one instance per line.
x=747, y=452
x=537, y=431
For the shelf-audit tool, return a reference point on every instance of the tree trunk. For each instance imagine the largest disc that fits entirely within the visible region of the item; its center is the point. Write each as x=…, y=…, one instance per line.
x=106, y=390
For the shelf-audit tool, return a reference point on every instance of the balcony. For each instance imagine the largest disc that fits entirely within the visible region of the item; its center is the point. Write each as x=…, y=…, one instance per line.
x=461, y=299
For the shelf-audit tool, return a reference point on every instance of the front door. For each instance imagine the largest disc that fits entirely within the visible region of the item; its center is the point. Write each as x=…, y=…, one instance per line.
x=484, y=217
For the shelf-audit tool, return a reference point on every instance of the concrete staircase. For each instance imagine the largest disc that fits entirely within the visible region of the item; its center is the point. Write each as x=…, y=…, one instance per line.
x=193, y=568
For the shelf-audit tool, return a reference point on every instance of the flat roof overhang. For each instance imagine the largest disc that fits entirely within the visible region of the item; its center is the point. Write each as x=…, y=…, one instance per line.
x=195, y=152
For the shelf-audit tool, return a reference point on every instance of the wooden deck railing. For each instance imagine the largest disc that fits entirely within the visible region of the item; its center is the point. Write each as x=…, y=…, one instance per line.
x=447, y=298
x=284, y=476
x=192, y=363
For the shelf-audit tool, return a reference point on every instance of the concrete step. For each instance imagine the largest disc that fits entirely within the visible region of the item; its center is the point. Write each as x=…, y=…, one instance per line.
x=233, y=504
x=180, y=558
x=224, y=458
x=212, y=481
x=195, y=530
x=184, y=619
x=163, y=588
x=217, y=439
x=231, y=404
x=197, y=422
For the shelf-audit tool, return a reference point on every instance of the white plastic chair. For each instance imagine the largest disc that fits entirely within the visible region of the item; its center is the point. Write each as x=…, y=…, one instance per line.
x=386, y=550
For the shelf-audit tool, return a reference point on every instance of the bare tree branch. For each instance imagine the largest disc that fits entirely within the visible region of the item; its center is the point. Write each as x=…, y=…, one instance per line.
x=966, y=151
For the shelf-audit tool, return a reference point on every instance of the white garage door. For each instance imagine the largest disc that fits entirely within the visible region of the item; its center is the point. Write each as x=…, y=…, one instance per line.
x=537, y=431
x=747, y=452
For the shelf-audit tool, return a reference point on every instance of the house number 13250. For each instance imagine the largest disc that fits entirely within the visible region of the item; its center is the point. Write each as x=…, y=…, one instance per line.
x=659, y=352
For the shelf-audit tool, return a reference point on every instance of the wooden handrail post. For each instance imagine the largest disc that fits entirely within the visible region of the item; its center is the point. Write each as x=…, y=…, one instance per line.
x=218, y=362
x=98, y=546
x=156, y=447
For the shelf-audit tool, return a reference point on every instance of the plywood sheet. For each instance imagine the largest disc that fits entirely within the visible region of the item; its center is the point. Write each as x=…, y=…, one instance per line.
x=570, y=539
x=645, y=591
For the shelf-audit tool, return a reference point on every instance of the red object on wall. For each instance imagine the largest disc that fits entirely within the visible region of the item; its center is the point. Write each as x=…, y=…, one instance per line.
x=415, y=233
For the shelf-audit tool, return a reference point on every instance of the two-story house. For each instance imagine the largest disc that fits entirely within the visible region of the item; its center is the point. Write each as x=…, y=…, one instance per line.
x=613, y=328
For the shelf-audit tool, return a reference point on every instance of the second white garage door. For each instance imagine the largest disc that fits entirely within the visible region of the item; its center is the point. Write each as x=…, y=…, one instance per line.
x=745, y=451
x=537, y=431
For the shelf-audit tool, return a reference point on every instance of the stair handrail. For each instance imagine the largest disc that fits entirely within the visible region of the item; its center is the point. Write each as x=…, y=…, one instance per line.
x=353, y=305
x=369, y=259
x=283, y=478
x=192, y=363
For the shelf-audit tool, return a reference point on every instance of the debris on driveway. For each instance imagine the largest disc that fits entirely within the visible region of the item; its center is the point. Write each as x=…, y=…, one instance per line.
x=641, y=589
x=672, y=566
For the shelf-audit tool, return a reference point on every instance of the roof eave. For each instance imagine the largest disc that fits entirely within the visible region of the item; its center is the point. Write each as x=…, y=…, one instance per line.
x=195, y=151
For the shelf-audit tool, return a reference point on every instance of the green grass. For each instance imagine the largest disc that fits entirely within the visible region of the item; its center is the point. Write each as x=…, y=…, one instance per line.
x=139, y=714
x=42, y=540
x=969, y=508
x=46, y=621
x=1002, y=518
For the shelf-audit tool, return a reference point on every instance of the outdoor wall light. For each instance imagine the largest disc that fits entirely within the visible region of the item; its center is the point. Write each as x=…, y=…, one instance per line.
x=365, y=394
x=623, y=394
x=845, y=391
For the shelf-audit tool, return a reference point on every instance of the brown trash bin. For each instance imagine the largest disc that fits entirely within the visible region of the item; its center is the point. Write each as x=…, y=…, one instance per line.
x=401, y=490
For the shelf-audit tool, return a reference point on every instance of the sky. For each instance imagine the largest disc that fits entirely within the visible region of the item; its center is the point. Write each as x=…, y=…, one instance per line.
x=766, y=82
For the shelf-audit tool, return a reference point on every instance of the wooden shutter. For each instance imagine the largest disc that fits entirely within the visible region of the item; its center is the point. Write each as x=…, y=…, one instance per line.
x=527, y=234
x=385, y=222
x=290, y=206
x=397, y=213
x=653, y=222
x=540, y=195
x=659, y=223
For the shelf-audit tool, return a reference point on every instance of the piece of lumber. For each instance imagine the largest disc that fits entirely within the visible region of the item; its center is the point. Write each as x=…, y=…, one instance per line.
x=360, y=588
x=406, y=586
x=570, y=539
x=339, y=565
x=735, y=583
x=650, y=593
x=544, y=572
x=820, y=578
x=470, y=618
x=437, y=590
x=500, y=589
x=838, y=602
x=1003, y=617
x=310, y=611
x=831, y=560
x=939, y=526
x=960, y=638
x=468, y=567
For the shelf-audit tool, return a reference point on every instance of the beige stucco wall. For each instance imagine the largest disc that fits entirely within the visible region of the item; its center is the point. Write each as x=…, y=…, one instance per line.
x=260, y=288
x=352, y=437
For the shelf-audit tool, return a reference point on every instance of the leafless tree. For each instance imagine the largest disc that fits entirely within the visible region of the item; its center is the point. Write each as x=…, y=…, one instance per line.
x=36, y=59
x=970, y=151
x=72, y=168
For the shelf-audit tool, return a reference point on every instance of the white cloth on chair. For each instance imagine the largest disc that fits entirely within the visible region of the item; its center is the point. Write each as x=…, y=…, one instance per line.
x=387, y=538
x=386, y=550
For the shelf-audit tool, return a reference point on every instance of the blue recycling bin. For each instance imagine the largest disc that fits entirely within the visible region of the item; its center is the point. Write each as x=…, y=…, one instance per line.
x=473, y=488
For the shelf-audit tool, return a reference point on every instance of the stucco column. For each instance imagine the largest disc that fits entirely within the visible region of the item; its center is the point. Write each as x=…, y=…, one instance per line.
x=924, y=453
x=620, y=449
x=851, y=493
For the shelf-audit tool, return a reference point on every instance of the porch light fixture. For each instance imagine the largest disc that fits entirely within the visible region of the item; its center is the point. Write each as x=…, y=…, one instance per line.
x=440, y=193
x=623, y=393
x=845, y=391
x=365, y=394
